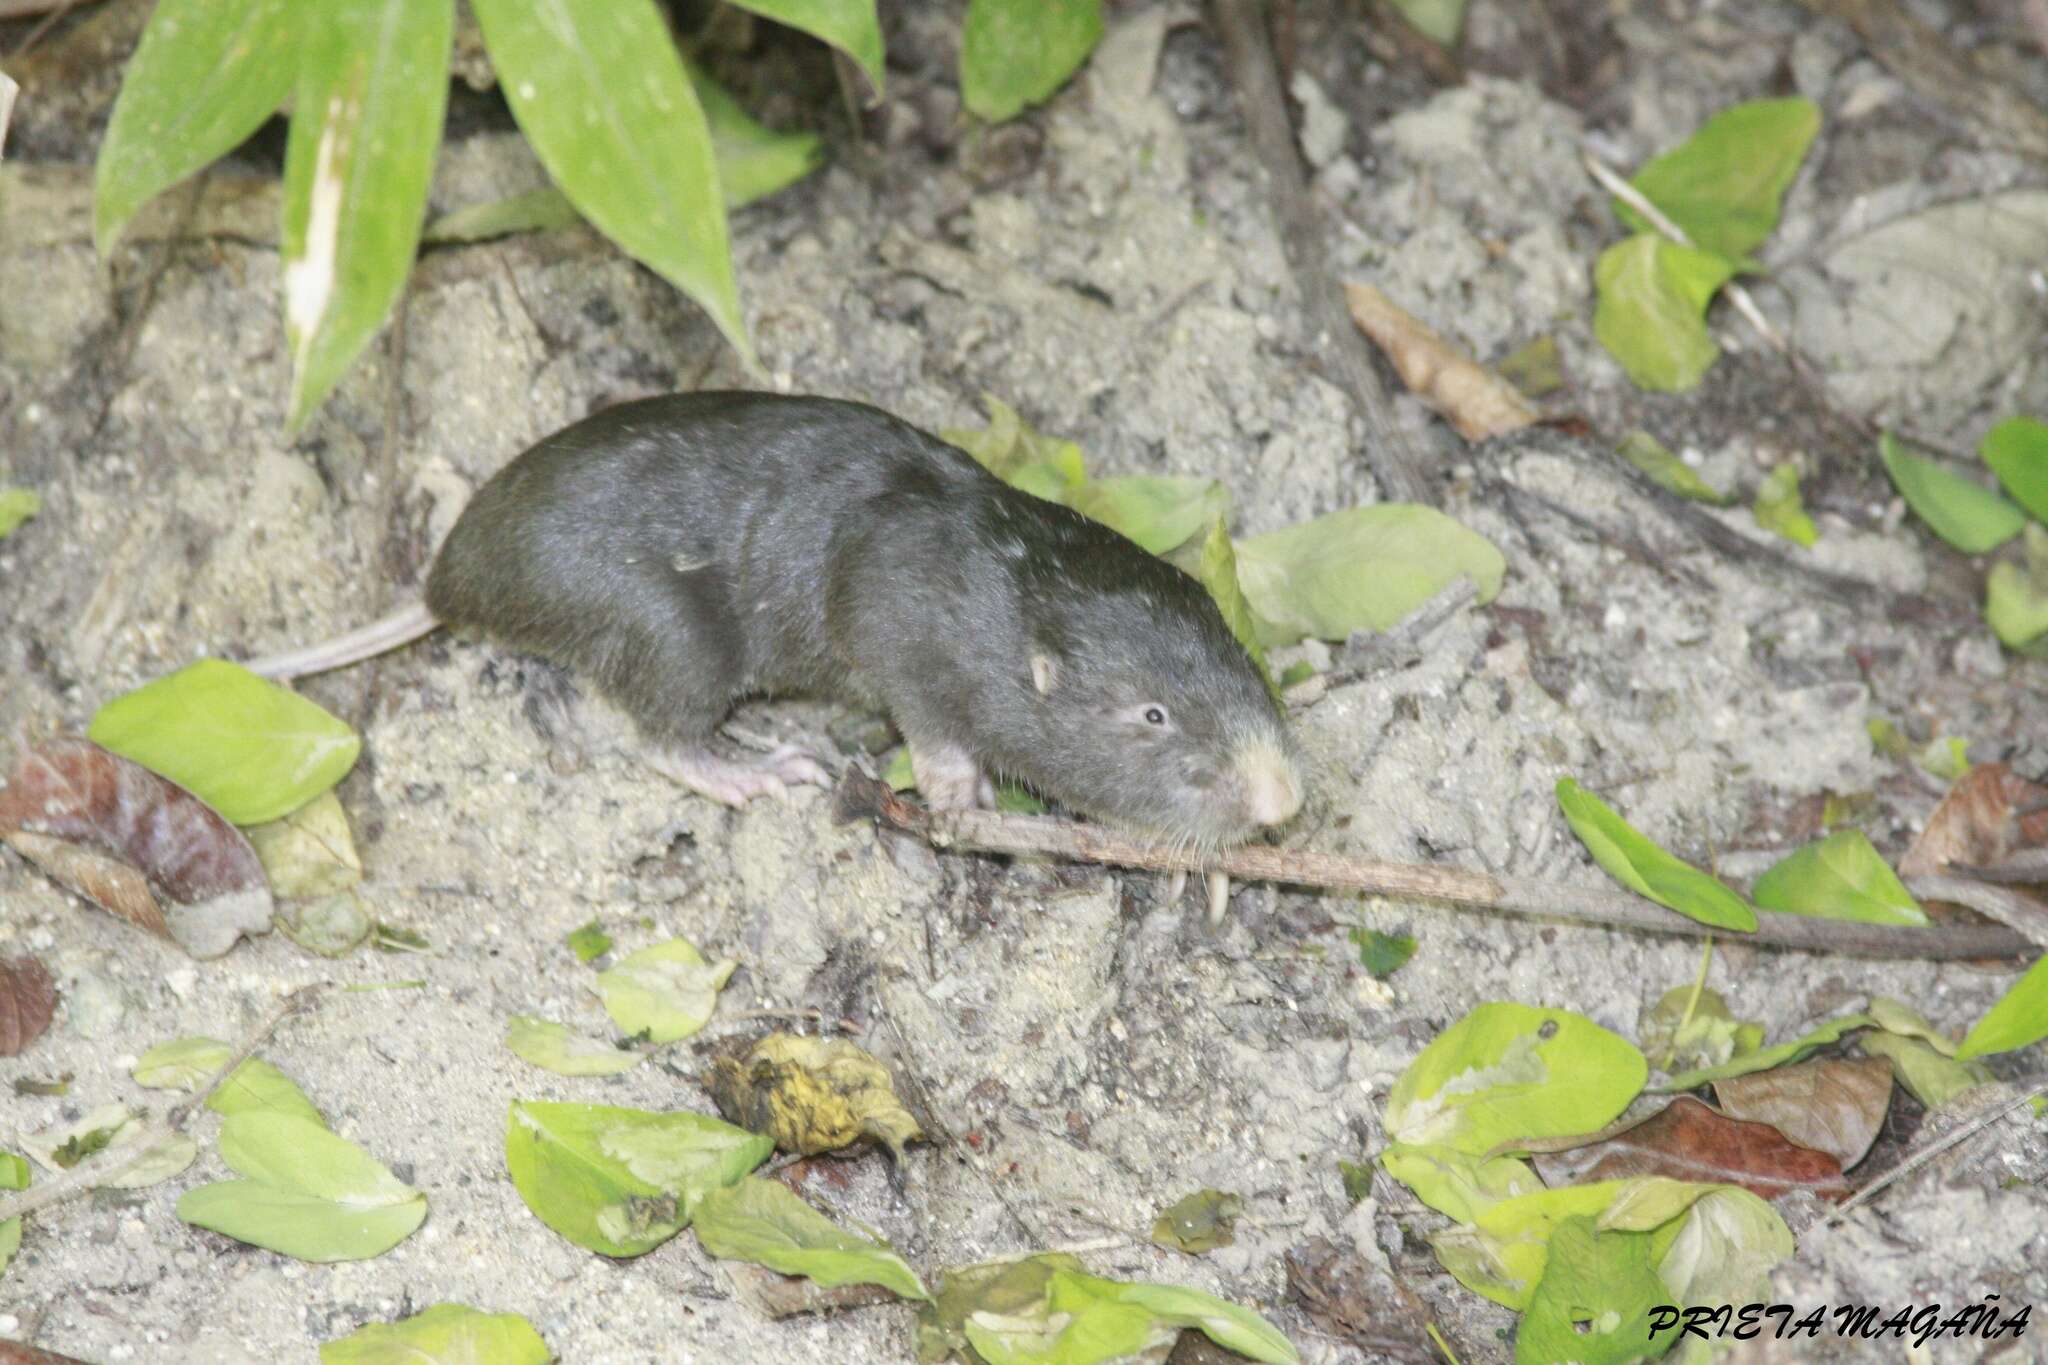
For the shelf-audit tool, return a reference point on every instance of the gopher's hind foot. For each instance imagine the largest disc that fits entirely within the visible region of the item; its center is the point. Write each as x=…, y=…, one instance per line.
x=736, y=781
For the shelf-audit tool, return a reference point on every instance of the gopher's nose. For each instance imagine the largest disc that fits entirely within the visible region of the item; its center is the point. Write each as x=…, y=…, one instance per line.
x=1272, y=788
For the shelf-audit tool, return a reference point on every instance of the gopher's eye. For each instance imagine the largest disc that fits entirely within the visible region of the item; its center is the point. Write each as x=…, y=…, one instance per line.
x=1155, y=715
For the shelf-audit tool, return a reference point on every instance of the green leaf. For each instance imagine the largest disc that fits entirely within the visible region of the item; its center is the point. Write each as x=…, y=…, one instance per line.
x=1458, y=1184
x=1839, y=877
x=1764, y=1059
x=1382, y=954
x=1438, y=20
x=1779, y=508
x=1666, y=470
x=899, y=775
x=1364, y=568
x=762, y=1222
x=602, y=95
x=2016, y=595
x=1156, y=512
x=1009, y=448
x=16, y=506
x=257, y=1087
x=553, y=1047
x=446, y=1334
x=1723, y=185
x=1502, y=1251
x=1646, y=869
x=1652, y=307
x=1536, y=368
x=1012, y=799
x=2020, y=1017
x=14, y=1175
x=590, y=942
x=1017, y=52
x=621, y=1181
x=366, y=120
x=1509, y=1072
x=1967, y=515
x=663, y=992
x=2016, y=449
x=1225, y=1323
x=541, y=210
x=1929, y=1076
x=753, y=161
x=1594, y=1302
x=308, y=1193
x=1723, y=1250
x=245, y=746
x=309, y=852
x=206, y=74
x=849, y=25
x=1202, y=1221
x=182, y=1064
x=1216, y=570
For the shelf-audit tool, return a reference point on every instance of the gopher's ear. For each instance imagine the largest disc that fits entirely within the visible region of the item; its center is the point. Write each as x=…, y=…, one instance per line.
x=1045, y=673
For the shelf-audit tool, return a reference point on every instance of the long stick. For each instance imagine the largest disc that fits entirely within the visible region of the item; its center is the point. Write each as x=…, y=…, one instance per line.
x=861, y=797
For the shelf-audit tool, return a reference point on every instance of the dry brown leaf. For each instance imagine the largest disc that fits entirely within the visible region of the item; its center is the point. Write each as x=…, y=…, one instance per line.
x=1831, y=1104
x=115, y=832
x=1478, y=402
x=1988, y=815
x=1690, y=1140
x=28, y=997
x=21, y=1353
x=1358, y=1302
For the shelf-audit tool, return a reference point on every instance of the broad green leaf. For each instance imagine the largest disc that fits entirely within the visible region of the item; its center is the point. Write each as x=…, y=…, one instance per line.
x=14, y=1175
x=1765, y=1058
x=1929, y=1076
x=1506, y=1072
x=1017, y=52
x=1839, y=877
x=1223, y=1322
x=307, y=1193
x=446, y=1334
x=1083, y=1319
x=753, y=161
x=1652, y=307
x=366, y=120
x=621, y=1181
x=1216, y=570
x=1364, y=568
x=998, y=1290
x=309, y=852
x=2016, y=449
x=849, y=25
x=255, y=1087
x=602, y=95
x=1156, y=512
x=1723, y=1250
x=1458, y=1184
x=2016, y=595
x=762, y=1222
x=1723, y=185
x=663, y=992
x=554, y=1048
x=1966, y=514
x=541, y=210
x=1502, y=1251
x=16, y=506
x=1779, y=508
x=1593, y=1304
x=243, y=745
x=206, y=74
x=182, y=1064
x=1666, y=470
x=1009, y=448
x=1438, y=20
x=1646, y=869
x=2020, y=1017
x=590, y=942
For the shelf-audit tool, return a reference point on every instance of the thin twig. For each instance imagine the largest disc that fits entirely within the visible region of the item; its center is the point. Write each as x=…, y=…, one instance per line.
x=1933, y=1150
x=112, y=1163
x=859, y=797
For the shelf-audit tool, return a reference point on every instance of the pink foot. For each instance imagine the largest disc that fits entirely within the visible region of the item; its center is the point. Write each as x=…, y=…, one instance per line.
x=736, y=781
x=950, y=779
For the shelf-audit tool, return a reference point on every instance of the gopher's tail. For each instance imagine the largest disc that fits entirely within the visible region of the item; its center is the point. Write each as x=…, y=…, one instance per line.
x=401, y=627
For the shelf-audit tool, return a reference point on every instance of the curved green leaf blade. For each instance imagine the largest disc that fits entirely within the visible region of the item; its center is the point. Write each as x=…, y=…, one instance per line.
x=1238, y=1329
x=1646, y=869
x=1839, y=877
x=1967, y=515
x=763, y=1222
x=1593, y=1304
x=849, y=25
x=1507, y=1071
x=303, y=1154
x=601, y=94
x=663, y=992
x=621, y=1181
x=2016, y=595
x=366, y=120
x=206, y=74
x=257, y=1087
x=307, y=1193
x=1779, y=1054
x=552, y=1047
x=2017, y=451
x=1017, y=52
x=1158, y=512
x=245, y=746
x=446, y=1334
x=1723, y=185
x=1651, y=313
x=2018, y=1019
x=753, y=161
x=1667, y=470
x=1364, y=568
x=1216, y=570
x=1779, y=508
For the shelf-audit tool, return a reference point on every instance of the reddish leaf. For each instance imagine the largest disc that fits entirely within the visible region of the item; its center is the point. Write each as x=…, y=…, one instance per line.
x=1689, y=1140
x=1985, y=818
x=28, y=997
x=17, y=1353
x=112, y=830
x=1831, y=1104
